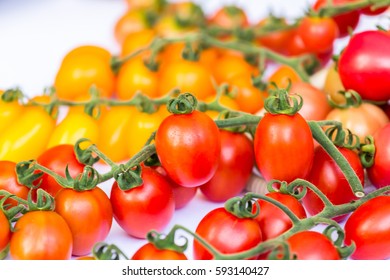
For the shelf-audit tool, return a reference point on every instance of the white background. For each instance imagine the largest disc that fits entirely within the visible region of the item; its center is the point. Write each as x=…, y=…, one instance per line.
x=35, y=35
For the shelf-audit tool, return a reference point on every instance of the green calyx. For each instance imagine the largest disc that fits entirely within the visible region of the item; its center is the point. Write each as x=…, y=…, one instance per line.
x=281, y=102
x=167, y=242
x=185, y=103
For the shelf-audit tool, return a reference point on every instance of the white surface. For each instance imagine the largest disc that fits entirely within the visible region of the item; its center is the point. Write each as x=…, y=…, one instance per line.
x=35, y=35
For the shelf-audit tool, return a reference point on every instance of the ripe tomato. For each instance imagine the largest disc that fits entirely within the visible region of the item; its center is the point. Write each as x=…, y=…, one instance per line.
x=363, y=120
x=277, y=146
x=9, y=112
x=187, y=76
x=57, y=159
x=315, y=104
x=5, y=234
x=234, y=169
x=88, y=215
x=137, y=40
x=74, y=126
x=219, y=227
x=363, y=65
x=318, y=34
x=28, y=136
x=379, y=173
x=168, y=26
x=312, y=245
x=41, y=235
x=369, y=228
x=344, y=21
x=272, y=220
x=82, y=68
x=296, y=45
x=135, y=77
x=143, y=208
x=150, y=252
x=329, y=179
x=333, y=85
x=189, y=146
x=155, y=5
x=114, y=126
x=9, y=182
x=229, y=17
x=132, y=21
x=283, y=76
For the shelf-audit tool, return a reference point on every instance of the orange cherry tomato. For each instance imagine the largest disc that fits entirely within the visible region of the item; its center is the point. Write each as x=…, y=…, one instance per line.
x=229, y=17
x=137, y=40
x=82, y=68
x=149, y=4
x=168, y=26
x=283, y=76
x=150, y=252
x=132, y=21
x=5, y=234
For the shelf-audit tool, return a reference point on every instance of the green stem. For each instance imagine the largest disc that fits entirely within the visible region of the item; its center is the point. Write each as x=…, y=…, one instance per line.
x=59, y=179
x=242, y=119
x=334, y=10
x=103, y=156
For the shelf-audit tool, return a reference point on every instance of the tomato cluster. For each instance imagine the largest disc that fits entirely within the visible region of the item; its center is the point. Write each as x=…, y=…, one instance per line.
x=233, y=118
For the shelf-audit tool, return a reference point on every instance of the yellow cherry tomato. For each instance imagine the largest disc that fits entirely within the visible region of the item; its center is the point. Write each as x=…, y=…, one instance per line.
x=9, y=111
x=333, y=86
x=140, y=127
x=28, y=136
x=74, y=126
x=113, y=127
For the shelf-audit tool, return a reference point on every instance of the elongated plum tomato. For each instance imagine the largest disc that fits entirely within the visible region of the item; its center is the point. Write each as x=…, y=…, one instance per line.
x=150, y=252
x=189, y=147
x=9, y=182
x=369, y=228
x=5, y=234
x=364, y=65
x=41, y=235
x=227, y=233
x=284, y=147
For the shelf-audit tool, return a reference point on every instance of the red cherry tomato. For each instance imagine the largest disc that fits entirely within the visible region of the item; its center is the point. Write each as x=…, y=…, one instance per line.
x=189, y=146
x=9, y=182
x=150, y=252
x=311, y=245
x=143, y=208
x=369, y=228
x=227, y=233
x=284, y=147
x=234, y=169
x=5, y=234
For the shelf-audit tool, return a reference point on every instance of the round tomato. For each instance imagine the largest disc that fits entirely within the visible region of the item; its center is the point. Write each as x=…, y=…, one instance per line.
x=143, y=208
x=272, y=220
x=330, y=180
x=57, y=159
x=226, y=233
x=189, y=147
x=379, y=173
x=283, y=76
x=150, y=252
x=5, y=235
x=229, y=17
x=234, y=169
x=278, y=145
x=311, y=245
x=168, y=26
x=137, y=40
x=9, y=182
x=364, y=65
x=41, y=235
x=88, y=215
x=132, y=21
x=369, y=228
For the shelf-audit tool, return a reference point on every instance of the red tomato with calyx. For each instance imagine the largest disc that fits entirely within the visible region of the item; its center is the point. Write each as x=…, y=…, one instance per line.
x=345, y=21
x=272, y=220
x=189, y=147
x=329, y=179
x=234, y=169
x=227, y=233
x=379, y=173
x=181, y=195
x=369, y=228
x=150, y=252
x=284, y=147
x=5, y=234
x=318, y=34
x=41, y=235
x=364, y=65
x=9, y=182
x=312, y=245
x=88, y=214
x=57, y=159
x=143, y=208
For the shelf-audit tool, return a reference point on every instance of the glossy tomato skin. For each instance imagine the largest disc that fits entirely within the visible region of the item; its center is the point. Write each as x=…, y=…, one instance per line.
x=379, y=173
x=284, y=147
x=88, y=214
x=5, y=233
x=143, y=208
x=329, y=179
x=41, y=235
x=364, y=65
x=369, y=228
x=56, y=159
x=273, y=221
x=189, y=147
x=227, y=233
x=234, y=169
x=150, y=252
x=9, y=182
x=311, y=245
